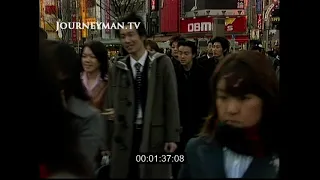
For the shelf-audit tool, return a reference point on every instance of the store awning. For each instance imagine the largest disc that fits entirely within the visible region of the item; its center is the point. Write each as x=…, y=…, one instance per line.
x=160, y=38
x=110, y=41
x=239, y=38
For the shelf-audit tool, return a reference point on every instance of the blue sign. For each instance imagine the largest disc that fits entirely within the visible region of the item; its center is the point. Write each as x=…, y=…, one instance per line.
x=259, y=6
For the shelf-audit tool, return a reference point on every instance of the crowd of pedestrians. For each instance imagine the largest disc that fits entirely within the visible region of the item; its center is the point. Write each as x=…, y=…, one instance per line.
x=218, y=112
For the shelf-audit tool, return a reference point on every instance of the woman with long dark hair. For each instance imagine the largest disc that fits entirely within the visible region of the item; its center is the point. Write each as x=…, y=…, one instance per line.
x=94, y=58
x=87, y=120
x=240, y=138
x=59, y=151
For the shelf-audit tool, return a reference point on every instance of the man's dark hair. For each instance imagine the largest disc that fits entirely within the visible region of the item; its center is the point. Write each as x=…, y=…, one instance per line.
x=133, y=17
x=224, y=43
x=176, y=38
x=190, y=44
x=42, y=34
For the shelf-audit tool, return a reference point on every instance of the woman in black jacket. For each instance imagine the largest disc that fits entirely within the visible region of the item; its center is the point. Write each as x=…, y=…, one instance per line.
x=240, y=138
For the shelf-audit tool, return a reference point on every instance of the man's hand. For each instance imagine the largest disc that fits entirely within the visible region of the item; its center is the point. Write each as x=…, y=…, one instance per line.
x=170, y=147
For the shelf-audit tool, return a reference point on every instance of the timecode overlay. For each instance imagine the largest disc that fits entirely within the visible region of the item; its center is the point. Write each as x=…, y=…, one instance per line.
x=156, y=158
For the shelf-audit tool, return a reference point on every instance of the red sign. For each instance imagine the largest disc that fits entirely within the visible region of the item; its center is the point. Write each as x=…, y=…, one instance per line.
x=90, y=3
x=169, y=16
x=50, y=9
x=205, y=24
x=74, y=30
x=153, y=5
x=107, y=16
x=259, y=21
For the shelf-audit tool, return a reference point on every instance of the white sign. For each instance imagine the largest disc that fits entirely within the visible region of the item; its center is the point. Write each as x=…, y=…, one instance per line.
x=200, y=27
x=230, y=28
x=267, y=14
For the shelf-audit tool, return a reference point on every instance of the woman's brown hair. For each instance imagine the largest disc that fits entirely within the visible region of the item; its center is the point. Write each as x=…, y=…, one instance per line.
x=247, y=72
x=153, y=45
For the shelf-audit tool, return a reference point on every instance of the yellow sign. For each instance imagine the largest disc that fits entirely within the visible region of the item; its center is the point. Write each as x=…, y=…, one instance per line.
x=229, y=21
x=48, y=21
x=275, y=19
x=89, y=20
x=83, y=9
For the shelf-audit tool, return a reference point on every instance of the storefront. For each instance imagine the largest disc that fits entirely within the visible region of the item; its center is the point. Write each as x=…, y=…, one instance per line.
x=113, y=50
x=201, y=27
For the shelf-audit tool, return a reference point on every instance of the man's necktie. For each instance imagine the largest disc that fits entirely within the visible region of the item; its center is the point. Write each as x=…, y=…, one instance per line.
x=138, y=75
x=138, y=81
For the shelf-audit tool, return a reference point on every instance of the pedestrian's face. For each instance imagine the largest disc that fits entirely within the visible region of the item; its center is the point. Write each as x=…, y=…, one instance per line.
x=209, y=48
x=89, y=61
x=174, y=49
x=185, y=55
x=217, y=49
x=131, y=40
x=239, y=112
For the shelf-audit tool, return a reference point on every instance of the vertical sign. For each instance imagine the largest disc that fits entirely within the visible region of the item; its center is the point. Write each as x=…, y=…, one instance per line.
x=240, y=4
x=74, y=30
x=84, y=17
x=153, y=5
x=259, y=21
x=259, y=6
x=41, y=15
x=59, y=7
x=107, y=16
x=50, y=15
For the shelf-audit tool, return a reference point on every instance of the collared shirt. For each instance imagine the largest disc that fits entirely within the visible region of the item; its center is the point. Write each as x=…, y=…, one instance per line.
x=235, y=164
x=85, y=82
x=142, y=61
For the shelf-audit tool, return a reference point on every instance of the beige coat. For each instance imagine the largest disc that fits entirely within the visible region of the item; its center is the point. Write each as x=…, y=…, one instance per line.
x=161, y=120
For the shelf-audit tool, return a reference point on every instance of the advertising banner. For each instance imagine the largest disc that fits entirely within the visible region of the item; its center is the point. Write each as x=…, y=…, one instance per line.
x=205, y=24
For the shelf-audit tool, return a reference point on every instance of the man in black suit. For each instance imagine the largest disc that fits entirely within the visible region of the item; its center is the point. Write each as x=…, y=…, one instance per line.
x=219, y=46
x=209, y=53
x=174, y=50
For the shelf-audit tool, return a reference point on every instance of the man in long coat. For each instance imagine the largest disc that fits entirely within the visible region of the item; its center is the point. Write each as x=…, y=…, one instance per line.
x=160, y=127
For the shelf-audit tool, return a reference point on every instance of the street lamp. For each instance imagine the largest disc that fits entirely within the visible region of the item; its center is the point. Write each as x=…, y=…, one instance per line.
x=183, y=15
x=223, y=13
x=208, y=12
x=195, y=14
